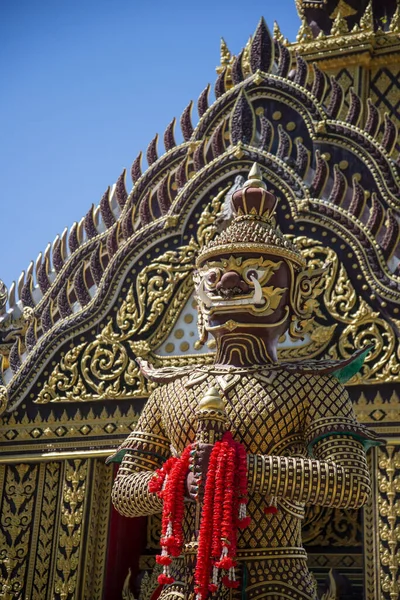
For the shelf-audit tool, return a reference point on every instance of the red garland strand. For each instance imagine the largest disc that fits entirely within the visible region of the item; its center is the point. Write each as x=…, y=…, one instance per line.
x=218, y=502
x=203, y=563
x=223, y=512
x=169, y=484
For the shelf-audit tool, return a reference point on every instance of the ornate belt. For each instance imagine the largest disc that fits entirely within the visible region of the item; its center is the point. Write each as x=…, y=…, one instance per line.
x=270, y=553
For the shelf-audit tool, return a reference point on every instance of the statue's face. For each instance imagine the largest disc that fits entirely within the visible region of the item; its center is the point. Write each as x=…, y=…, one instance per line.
x=243, y=289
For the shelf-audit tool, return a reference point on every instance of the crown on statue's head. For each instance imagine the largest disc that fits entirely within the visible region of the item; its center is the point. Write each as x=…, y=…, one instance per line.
x=253, y=199
x=253, y=228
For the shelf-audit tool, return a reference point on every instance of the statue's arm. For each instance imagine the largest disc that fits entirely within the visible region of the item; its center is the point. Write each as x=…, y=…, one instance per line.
x=338, y=476
x=145, y=450
x=337, y=473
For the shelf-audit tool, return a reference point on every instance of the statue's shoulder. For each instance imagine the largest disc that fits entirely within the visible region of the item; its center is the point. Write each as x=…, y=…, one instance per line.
x=342, y=369
x=164, y=375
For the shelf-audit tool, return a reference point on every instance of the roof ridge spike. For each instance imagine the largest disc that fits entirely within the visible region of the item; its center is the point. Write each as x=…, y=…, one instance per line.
x=105, y=209
x=202, y=102
x=278, y=35
x=336, y=100
x=318, y=88
x=339, y=26
x=355, y=108
x=169, y=138
x=120, y=190
x=367, y=20
x=186, y=122
x=136, y=168
x=237, y=69
x=151, y=152
x=47, y=257
x=284, y=60
x=11, y=295
x=38, y=264
x=225, y=56
x=242, y=122
x=373, y=118
x=301, y=73
x=389, y=135
x=262, y=51
x=20, y=284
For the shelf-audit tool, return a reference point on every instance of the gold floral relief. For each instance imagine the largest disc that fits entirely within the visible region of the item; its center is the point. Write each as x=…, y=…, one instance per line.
x=18, y=500
x=358, y=325
x=70, y=529
x=388, y=480
x=106, y=367
x=331, y=527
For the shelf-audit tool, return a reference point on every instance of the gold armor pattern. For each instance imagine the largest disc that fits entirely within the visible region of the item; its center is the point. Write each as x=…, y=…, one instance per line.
x=278, y=415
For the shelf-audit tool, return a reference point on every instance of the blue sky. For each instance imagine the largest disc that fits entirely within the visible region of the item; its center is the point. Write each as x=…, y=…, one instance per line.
x=86, y=85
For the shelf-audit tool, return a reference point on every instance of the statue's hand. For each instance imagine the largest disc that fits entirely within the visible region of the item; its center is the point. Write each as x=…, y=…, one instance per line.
x=196, y=479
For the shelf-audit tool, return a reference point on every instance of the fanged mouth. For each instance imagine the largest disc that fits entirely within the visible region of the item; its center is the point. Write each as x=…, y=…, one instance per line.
x=214, y=301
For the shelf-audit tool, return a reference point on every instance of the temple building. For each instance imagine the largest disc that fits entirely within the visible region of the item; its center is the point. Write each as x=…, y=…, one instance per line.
x=320, y=117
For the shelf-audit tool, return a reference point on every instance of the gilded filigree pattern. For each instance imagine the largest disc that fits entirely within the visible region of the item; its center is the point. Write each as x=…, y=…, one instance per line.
x=46, y=530
x=378, y=409
x=360, y=325
x=15, y=531
x=389, y=520
x=77, y=429
x=106, y=368
x=95, y=559
x=70, y=532
x=331, y=527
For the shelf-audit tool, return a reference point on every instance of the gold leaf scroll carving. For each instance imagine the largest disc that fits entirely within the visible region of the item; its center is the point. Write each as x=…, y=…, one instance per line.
x=106, y=367
x=70, y=529
x=46, y=530
x=357, y=323
x=15, y=527
x=389, y=520
x=331, y=527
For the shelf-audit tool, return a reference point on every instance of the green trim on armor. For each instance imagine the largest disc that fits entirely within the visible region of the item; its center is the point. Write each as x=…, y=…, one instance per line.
x=345, y=373
x=366, y=442
x=118, y=456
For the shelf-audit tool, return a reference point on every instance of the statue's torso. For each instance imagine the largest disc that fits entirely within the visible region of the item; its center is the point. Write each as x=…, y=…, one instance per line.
x=266, y=411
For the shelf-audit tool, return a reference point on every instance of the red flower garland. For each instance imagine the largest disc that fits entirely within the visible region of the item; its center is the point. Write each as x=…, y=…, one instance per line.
x=225, y=498
x=203, y=564
x=223, y=512
x=169, y=484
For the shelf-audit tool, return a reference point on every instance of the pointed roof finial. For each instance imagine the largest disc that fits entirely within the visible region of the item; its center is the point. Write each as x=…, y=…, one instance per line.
x=278, y=35
x=339, y=26
x=225, y=56
x=395, y=22
x=367, y=20
x=255, y=179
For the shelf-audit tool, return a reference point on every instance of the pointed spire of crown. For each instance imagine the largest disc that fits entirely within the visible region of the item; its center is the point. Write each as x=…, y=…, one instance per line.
x=253, y=199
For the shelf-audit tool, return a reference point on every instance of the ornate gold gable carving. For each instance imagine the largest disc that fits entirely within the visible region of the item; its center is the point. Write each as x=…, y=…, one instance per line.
x=106, y=368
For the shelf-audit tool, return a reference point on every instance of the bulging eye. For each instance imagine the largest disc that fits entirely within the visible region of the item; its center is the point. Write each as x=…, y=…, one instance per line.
x=212, y=277
x=253, y=273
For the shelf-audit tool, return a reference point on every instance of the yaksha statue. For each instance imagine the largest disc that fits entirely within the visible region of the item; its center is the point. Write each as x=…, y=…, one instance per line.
x=291, y=437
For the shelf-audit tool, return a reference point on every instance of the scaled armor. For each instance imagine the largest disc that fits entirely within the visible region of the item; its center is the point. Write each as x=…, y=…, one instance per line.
x=296, y=420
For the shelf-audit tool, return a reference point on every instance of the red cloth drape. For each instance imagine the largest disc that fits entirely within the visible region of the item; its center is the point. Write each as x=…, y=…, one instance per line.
x=126, y=542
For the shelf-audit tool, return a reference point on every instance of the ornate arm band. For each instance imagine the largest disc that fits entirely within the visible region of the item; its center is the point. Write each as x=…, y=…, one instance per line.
x=340, y=480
